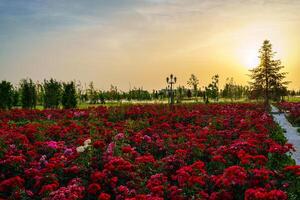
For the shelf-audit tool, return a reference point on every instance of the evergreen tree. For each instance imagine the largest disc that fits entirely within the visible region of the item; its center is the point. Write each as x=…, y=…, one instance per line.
x=267, y=78
x=69, y=99
x=28, y=94
x=6, y=95
x=52, y=93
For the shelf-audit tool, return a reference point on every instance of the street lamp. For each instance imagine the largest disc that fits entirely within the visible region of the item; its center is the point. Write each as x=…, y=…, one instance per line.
x=171, y=81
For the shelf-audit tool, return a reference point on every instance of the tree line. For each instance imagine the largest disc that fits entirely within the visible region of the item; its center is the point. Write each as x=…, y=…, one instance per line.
x=267, y=83
x=50, y=94
x=54, y=94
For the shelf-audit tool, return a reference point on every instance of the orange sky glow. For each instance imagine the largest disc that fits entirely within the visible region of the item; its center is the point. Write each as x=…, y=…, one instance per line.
x=138, y=43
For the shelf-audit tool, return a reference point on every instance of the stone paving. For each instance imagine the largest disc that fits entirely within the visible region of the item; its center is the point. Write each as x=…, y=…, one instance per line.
x=291, y=133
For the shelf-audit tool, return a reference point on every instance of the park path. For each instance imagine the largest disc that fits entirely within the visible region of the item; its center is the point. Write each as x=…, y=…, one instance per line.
x=291, y=132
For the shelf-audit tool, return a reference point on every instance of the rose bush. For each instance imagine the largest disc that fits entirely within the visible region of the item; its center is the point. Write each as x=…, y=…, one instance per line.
x=229, y=151
x=293, y=109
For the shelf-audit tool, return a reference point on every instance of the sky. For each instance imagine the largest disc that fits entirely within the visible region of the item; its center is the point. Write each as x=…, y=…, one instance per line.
x=138, y=43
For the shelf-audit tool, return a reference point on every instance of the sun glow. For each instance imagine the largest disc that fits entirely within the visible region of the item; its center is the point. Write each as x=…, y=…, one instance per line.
x=251, y=59
x=249, y=40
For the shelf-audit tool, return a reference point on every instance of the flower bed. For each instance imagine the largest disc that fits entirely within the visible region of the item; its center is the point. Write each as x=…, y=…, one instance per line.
x=230, y=151
x=293, y=110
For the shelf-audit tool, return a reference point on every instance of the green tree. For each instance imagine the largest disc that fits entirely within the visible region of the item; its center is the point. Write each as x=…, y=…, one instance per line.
x=267, y=80
x=212, y=90
x=52, y=93
x=40, y=93
x=193, y=82
x=179, y=94
x=102, y=97
x=28, y=94
x=92, y=94
x=16, y=95
x=69, y=99
x=114, y=93
x=229, y=89
x=6, y=95
x=189, y=93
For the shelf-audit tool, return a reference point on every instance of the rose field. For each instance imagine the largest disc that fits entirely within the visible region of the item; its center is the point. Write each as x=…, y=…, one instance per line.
x=216, y=151
x=293, y=110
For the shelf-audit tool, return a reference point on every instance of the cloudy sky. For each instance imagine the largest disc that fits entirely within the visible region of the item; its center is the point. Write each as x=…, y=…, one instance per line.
x=139, y=42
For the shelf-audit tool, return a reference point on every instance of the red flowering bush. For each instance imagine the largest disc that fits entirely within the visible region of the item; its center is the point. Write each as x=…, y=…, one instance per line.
x=260, y=193
x=230, y=151
x=293, y=111
x=233, y=176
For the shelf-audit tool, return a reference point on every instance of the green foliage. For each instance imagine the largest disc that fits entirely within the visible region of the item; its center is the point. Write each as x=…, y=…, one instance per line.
x=6, y=95
x=101, y=97
x=275, y=160
x=92, y=94
x=28, y=94
x=233, y=91
x=212, y=90
x=189, y=94
x=69, y=99
x=138, y=94
x=276, y=133
x=15, y=97
x=52, y=93
x=267, y=78
x=113, y=93
x=40, y=93
x=193, y=82
x=293, y=181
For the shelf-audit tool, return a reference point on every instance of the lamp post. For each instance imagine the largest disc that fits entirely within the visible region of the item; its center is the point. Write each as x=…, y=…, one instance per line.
x=171, y=81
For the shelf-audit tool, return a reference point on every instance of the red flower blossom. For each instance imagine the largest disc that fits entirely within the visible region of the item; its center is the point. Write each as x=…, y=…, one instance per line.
x=10, y=183
x=146, y=152
x=145, y=159
x=104, y=196
x=232, y=176
x=94, y=188
x=262, y=194
x=48, y=188
x=99, y=144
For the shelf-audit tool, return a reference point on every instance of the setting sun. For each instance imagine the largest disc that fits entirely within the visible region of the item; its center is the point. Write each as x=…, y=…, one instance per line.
x=133, y=42
x=250, y=59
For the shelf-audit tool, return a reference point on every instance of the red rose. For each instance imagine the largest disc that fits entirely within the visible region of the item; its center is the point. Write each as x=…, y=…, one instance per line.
x=48, y=188
x=104, y=196
x=99, y=144
x=16, y=181
x=97, y=176
x=94, y=188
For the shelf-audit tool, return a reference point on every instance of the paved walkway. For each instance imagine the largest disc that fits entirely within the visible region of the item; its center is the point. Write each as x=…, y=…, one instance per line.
x=291, y=132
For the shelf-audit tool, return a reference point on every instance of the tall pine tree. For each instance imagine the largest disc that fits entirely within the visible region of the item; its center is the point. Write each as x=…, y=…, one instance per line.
x=267, y=78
